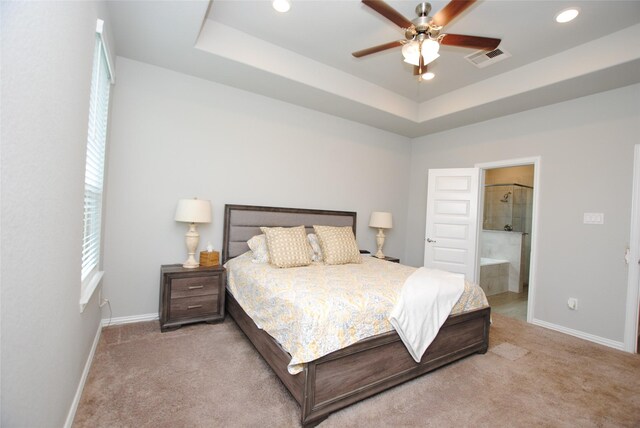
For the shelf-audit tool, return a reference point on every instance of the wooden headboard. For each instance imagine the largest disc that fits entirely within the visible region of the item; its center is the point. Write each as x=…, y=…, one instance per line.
x=241, y=222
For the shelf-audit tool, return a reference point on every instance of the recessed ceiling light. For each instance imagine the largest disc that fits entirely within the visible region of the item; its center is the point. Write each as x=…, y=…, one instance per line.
x=281, y=5
x=567, y=15
x=428, y=75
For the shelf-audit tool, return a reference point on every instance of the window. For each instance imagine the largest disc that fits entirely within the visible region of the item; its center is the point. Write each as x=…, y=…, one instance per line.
x=101, y=80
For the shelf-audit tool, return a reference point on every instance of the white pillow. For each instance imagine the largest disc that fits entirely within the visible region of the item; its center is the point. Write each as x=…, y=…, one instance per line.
x=315, y=245
x=258, y=245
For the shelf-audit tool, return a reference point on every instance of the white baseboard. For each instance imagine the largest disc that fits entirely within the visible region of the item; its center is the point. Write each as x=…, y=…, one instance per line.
x=580, y=334
x=130, y=319
x=87, y=366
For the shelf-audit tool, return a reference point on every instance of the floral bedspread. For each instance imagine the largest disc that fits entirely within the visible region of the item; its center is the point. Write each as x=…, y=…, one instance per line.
x=315, y=310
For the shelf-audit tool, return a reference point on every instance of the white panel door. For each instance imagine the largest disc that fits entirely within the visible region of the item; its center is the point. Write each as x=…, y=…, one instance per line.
x=452, y=220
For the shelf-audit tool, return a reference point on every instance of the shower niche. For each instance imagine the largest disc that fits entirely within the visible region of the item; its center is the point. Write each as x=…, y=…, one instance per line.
x=508, y=207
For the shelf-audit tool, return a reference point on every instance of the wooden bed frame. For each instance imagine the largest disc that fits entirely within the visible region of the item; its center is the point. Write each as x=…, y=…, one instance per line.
x=358, y=371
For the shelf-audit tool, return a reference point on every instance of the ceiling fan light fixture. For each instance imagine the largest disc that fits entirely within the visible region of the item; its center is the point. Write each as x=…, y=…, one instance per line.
x=410, y=53
x=412, y=61
x=426, y=59
x=567, y=15
x=281, y=5
x=430, y=48
x=428, y=75
x=429, y=57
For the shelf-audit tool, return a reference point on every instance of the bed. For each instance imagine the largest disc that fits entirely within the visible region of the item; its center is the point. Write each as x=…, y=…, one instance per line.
x=357, y=371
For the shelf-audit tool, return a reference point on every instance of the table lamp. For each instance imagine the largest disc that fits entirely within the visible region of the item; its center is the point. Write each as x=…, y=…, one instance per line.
x=381, y=220
x=193, y=211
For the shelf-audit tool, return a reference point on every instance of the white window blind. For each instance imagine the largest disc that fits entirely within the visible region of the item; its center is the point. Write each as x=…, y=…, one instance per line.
x=94, y=172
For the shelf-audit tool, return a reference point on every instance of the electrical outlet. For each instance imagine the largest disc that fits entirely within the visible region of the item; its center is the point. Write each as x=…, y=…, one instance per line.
x=572, y=303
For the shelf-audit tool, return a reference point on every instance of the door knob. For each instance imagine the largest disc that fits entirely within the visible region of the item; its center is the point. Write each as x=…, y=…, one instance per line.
x=430, y=240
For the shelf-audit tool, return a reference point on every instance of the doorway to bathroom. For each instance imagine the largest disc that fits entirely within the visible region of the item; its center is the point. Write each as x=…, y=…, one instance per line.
x=505, y=238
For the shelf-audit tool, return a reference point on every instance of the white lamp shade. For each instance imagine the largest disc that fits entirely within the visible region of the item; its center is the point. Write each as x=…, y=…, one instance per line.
x=381, y=220
x=193, y=211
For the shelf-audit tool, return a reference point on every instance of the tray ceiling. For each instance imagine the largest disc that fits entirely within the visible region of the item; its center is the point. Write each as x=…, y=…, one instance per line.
x=304, y=56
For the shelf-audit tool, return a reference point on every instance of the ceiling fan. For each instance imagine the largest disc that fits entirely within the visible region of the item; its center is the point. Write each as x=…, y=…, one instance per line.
x=423, y=35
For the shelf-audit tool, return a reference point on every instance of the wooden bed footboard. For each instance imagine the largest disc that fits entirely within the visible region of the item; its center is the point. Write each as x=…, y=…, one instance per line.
x=367, y=367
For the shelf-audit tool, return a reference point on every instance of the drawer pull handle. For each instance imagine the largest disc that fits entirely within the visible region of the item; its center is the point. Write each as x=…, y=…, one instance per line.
x=195, y=287
x=194, y=306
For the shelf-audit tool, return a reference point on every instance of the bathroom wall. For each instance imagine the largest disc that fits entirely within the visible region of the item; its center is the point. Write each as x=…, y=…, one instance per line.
x=508, y=207
x=498, y=244
x=522, y=205
x=498, y=208
x=517, y=212
x=514, y=174
x=494, y=277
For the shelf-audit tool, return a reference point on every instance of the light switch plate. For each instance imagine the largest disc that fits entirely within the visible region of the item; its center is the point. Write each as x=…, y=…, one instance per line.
x=593, y=218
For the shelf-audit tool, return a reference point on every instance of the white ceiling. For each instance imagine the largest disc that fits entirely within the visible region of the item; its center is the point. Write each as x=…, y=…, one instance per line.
x=328, y=31
x=304, y=56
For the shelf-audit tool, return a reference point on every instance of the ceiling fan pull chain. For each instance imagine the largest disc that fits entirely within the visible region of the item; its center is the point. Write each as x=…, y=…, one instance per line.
x=420, y=60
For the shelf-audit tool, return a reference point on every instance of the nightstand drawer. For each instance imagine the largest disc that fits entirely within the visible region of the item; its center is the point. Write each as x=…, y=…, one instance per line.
x=191, y=307
x=197, y=286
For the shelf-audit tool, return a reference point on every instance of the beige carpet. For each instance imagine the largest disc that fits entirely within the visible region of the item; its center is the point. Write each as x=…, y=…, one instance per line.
x=211, y=376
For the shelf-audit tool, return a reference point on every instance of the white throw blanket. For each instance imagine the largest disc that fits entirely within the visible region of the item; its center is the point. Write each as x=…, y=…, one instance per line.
x=425, y=302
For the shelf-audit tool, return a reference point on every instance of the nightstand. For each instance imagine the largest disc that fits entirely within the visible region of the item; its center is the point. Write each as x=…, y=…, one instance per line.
x=389, y=259
x=191, y=295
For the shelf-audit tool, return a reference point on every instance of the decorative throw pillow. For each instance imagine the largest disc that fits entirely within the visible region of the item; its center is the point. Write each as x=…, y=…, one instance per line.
x=258, y=245
x=315, y=246
x=288, y=246
x=338, y=245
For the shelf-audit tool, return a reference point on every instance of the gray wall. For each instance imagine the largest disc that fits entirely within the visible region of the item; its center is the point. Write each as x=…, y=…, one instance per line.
x=586, y=147
x=175, y=136
x=47, y=55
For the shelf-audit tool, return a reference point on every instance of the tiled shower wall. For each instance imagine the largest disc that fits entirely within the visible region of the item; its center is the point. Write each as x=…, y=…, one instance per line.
x=507, y=246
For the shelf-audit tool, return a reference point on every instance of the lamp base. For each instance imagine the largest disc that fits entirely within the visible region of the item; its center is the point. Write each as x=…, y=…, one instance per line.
x=191, y=238
x=380, y=242
x=191, y=263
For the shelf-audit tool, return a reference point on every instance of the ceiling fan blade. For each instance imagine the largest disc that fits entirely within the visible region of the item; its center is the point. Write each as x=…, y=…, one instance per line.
x=416, y=70
x=388, y=12
x=378, y=48
x=475, y=42
x=450, y=11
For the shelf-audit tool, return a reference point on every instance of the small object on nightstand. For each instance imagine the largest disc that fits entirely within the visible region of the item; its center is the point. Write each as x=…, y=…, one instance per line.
x=209, y=258
x=391, y=259
x=189, y=295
